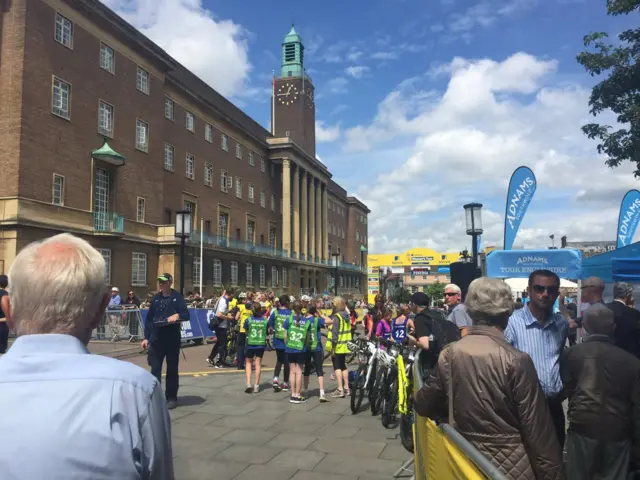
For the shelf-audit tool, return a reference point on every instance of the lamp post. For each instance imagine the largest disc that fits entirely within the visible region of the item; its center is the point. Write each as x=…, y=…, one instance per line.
x=183, y=230
x=336, y=264
x=473, y=217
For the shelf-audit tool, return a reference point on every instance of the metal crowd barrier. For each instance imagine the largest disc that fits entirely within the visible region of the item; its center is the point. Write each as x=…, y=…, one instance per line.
x=120, y=325
x=441, y=452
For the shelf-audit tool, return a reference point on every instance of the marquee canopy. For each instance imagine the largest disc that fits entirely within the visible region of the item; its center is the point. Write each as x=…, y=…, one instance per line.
x=621, y=265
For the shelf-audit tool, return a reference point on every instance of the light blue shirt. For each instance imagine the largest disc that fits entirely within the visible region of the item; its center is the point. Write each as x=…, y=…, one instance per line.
x=67, y=414
x=115, y=301
x=544, y=344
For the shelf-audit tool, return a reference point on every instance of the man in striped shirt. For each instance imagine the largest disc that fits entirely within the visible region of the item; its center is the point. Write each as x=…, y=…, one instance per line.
x=542, y=334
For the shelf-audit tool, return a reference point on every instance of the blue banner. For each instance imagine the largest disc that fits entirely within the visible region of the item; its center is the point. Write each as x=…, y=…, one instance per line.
x=566, y=263
x=628, y=218
x=522, y=186
x=196, y=327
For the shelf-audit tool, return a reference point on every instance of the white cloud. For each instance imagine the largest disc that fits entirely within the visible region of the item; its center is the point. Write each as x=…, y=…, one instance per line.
x=385, y=55
x=485, y=14
x=338, y=85
x=187, y=30
x=465, y=141
x=356, y=71
x=326, y=133
x=354, y=55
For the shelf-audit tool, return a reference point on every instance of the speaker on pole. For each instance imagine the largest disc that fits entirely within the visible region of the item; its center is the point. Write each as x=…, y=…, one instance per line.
x=462, y=274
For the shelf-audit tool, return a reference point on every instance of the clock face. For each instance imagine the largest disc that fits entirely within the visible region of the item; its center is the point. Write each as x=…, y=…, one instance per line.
x=287, y=93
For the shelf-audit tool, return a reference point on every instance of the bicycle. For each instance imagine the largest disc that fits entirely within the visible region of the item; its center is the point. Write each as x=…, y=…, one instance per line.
x=405, y=400
x=385, y=361
x=366, y=352
x=398, y=392
x=232, y=344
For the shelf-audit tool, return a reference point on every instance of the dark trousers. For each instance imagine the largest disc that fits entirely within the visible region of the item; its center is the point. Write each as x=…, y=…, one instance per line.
x=282, y=360
x=166, y=345
x=241, y=341
x=4, y=337
x=590, y=458
x=557, y=417
x=222, y=336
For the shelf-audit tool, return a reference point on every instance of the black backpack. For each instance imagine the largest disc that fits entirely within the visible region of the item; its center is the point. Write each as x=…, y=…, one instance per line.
x=443, y=332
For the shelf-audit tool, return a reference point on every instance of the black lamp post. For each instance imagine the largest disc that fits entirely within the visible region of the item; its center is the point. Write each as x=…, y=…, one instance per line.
x=336, y=264
x=473, y=217
x=183, y=230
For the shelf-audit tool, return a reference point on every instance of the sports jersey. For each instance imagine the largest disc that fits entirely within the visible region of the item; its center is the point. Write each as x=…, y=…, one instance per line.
x=297, y=334
x=383, y=330
x=245, y=313
x=399, y=330
x=278, y=326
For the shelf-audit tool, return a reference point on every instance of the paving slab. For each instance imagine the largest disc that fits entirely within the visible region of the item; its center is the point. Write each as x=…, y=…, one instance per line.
x=375, y=431
x=305, y=475
x=246, y=421
x=364, y=467
x=204, y=450
x=298, y=441
x=337, y=431
x=263, y=472
x=348, y=446
x=311, y=417
x=227, y=409
x=304, y=428
x=297, y=459
x=394, y=451
x=249, y=437
x=248, y=454
x=199, y=418
x=198, y=469
x=205, y=433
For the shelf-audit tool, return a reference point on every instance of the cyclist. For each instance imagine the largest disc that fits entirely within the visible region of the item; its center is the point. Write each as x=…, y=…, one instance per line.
x=256, y=328
x=368, y=322
x=315, y=354
x=296, y=328
x=276, y=324
x=244, y=313
x=383, y=330
x=402, y=325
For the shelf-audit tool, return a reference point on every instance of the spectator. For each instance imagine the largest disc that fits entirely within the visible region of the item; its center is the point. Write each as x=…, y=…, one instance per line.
x=457, y=311
x=627, y=319
x=489, y=391
x=602, y=382
x=73, y=414
x=115, y=301
x=536, y=330
x=221, y=329
x=5, y=314
x=132, y=301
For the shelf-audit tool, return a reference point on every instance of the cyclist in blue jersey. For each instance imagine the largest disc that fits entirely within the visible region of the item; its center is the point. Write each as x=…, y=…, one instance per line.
x=297, y=340
x=256, y=339
x=402, y=325
x=276, y=324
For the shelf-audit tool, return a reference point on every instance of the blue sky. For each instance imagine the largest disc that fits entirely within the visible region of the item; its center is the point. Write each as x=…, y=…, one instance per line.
x=423, y=105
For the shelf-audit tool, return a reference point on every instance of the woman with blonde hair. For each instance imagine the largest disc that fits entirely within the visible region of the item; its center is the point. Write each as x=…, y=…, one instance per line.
x=340, y=336
x=490, y=391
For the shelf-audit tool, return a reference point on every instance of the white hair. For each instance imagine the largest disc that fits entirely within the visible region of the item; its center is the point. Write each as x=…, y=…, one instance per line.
x=57, y=286
x=454, y=287
x=488, y=299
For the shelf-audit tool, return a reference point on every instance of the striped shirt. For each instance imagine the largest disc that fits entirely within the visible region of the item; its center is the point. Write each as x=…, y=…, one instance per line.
x=544, y=344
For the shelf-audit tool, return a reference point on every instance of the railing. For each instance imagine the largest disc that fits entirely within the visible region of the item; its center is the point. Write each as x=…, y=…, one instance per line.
x=441, y=452
x=119, y=324
x=108, y=222
x=351, y=267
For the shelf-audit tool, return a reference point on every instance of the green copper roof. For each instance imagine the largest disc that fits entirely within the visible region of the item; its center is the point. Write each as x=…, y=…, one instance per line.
x=108, y=154
x=363, y=248
x=292, y=36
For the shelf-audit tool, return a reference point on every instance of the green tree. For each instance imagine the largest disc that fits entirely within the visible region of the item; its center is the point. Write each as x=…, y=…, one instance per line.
x=435, y=291
x=620, y=92
x=400, y=295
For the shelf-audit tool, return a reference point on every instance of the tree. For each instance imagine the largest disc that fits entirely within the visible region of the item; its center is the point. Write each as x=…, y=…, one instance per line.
x=435, y=291
x=400, y=295
x=620, y=92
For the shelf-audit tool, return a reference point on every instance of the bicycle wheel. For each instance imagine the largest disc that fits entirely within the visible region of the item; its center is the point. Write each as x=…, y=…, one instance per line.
x=406, y=427
x=357, y=392
x=381, y=381
x=390, y=399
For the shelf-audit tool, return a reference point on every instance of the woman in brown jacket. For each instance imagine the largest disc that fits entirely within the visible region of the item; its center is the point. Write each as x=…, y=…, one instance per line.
x=498, y=404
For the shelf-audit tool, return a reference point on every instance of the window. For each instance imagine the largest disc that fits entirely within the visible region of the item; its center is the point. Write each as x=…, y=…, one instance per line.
x=252, y=162
x=64, y=31
x=142, y=135
x=238, y=187
x=105, y=119
x=106, y=254
x=251, y=231
x=263, y=165
x=208, y=133
x=189, y=122
x=168, y=157
x=107, y=58
x=263, y=200
x=190, y=166
x=274, y=277
x=141, y=209
x=272, y=237
x=341, y=281
x=249, y=274
x=223, y=226
x=226, y=182
x=138, y=269
x=238, y=151
x=208, y=174
x=168, y=108
x=252, y=197
x=196, y=270
x=234, y=274
x=58, y=190
x=217, y=272
x=357, y=235
x=263, y=280
x=273, y=203
x=142, y=80
x=284, y=277
x=60, y=103
x=224, y=142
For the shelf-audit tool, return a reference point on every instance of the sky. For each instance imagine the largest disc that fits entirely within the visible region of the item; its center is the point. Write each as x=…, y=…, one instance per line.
x=423, y=105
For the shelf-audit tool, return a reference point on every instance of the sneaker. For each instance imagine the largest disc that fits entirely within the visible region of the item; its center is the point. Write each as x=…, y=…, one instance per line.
x=256, y=389
x=337, y=394
x=171, y=404
x=294, y=400
x=248, y=388
x=285, y=387
x=324, y=399
x=276, y=386
x=218, y=366
x=210, y=362
x=302, y=399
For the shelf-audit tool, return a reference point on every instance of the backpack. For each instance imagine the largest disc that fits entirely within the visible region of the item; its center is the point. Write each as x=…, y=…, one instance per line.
x=443, y=332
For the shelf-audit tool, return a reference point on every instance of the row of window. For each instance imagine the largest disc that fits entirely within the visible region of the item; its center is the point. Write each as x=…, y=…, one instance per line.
x=277, y=279
x=339, y=209
x=138, y=267
x=360, y=237
x=336, y=230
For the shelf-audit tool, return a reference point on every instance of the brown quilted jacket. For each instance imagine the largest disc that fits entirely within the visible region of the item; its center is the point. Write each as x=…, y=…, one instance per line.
x=498, y=404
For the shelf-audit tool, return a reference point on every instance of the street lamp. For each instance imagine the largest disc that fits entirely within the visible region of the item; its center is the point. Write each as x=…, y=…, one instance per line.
x=336, y=264
x=473, y=216
x=183, y=230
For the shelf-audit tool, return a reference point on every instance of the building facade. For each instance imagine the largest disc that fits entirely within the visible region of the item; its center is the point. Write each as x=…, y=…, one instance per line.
x=104, y=135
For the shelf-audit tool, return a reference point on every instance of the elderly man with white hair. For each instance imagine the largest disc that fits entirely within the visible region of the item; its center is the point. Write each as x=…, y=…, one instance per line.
x=627, y=319
x=457, y=311
x=66, y=413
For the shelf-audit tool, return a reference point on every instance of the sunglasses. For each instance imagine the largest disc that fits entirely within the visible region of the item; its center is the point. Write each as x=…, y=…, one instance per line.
x=450, y=294
x=542, y=288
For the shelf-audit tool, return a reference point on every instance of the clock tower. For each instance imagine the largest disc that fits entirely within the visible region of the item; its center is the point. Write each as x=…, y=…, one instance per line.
x=293, y=111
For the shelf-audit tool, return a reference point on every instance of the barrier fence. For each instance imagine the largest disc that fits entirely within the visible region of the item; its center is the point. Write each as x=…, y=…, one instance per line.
x=442, y=453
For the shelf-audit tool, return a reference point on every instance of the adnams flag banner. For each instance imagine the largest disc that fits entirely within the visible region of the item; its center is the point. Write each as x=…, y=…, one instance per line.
x=521, y=189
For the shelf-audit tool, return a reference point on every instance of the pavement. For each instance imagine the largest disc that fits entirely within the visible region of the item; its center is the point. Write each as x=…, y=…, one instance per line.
x=221, y=432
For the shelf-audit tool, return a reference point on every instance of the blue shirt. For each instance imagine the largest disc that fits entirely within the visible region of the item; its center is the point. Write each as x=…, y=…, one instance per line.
x=115, y=301
x=399, y=330
x=278, y=343
x=321, y=324
x=544, y=344
x=162, y=308
x=286, y=327
x=246, y=329
x=70, y=414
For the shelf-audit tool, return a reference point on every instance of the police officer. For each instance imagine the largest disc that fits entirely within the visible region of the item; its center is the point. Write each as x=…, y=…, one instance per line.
x=162, y=335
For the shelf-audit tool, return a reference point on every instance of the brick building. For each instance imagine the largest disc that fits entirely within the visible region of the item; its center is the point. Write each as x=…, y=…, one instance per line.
x=104, y=135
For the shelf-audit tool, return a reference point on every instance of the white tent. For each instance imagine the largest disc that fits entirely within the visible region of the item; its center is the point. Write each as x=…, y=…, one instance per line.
x=520, y=284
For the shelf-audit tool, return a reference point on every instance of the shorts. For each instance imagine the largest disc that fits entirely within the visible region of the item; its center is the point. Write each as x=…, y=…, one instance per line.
x=317, y=358
x=297, y=357
x=339, y=361
x=258, y=352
